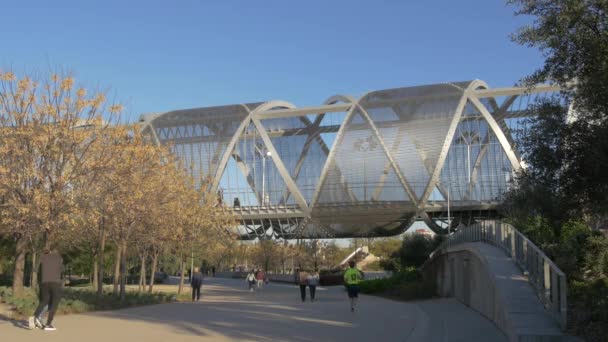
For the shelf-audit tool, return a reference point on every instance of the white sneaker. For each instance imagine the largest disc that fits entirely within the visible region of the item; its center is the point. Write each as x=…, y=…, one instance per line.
x=50, y=327
x=38, y=323
x=30, y=323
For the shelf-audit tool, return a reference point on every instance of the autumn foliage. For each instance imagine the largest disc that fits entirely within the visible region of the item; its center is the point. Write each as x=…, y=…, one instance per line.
x=72, y=177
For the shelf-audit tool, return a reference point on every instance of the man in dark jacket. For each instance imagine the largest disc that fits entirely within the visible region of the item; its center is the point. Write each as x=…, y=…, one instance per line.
x=196, y=283
x=51, y=264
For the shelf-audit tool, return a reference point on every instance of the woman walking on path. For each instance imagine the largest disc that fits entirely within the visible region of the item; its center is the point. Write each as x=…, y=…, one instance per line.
x=303, y=282
x=196, y=283
x=352, y=277
x=250, y=280
x=313, y=282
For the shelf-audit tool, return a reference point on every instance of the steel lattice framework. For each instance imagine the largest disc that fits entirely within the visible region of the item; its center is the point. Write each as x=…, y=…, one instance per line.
x=355, y=167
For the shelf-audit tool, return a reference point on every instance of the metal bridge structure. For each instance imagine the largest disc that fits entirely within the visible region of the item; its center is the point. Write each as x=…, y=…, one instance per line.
x=367, y=166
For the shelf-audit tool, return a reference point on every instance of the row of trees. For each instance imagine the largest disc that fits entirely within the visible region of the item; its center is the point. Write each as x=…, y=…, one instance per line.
x=280, y=256
x=72, y=177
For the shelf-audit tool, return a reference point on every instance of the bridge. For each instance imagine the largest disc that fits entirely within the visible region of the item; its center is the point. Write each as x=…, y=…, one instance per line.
x=495, y=285
x=369, y=166
x=495, y=270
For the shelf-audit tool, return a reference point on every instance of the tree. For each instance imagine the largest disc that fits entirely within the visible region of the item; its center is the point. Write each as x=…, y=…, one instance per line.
x=416, y=249
x=561, y=196
x=385, y=248
x=568, y=152
x=47, y=133
x=265, y=254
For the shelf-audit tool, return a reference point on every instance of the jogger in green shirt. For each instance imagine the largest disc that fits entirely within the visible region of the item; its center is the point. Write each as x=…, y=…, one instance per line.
x=352, y=277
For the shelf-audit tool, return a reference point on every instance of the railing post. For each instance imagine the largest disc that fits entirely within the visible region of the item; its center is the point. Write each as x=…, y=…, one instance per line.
x=563, y=290
x=541, y=271
x=547, y=278
x=514, y=254
x=554, y=292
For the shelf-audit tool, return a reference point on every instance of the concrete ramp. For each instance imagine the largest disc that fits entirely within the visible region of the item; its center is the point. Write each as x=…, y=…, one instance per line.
x=484, y=278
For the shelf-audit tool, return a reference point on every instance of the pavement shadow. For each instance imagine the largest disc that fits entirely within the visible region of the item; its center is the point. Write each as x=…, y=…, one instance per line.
x=18, y=323
x=268, y=314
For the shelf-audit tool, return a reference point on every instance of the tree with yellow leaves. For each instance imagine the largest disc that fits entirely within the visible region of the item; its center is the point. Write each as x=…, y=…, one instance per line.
x=69, y=175
x=47, y=133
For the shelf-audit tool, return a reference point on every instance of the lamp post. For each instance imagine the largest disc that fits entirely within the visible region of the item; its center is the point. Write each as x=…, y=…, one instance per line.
x=268, y=154
x=264, y=153
x=440, y=183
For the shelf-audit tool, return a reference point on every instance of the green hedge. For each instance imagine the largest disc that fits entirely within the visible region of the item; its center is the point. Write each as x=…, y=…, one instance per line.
x=331, y=279
x=588, y=309
x=77, y=300
x=406, y=285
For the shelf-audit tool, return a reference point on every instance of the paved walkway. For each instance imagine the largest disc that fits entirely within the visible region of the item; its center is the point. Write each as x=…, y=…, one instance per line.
x=228, y=312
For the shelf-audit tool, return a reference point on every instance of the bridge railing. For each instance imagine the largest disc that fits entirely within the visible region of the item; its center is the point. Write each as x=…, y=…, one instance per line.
x=544, y=276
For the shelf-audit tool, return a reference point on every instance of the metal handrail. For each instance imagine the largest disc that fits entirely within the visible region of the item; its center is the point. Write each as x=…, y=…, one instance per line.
x=548, y=281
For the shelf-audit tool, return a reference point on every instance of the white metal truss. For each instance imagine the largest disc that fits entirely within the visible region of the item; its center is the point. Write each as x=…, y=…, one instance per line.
x=331, y=156
x=287, y=219
x=291, y=185
x=509, y=150
x=388, y=155
x=434, y=180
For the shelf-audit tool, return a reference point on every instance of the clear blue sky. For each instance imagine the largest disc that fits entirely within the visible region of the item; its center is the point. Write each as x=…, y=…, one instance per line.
x=162, y=55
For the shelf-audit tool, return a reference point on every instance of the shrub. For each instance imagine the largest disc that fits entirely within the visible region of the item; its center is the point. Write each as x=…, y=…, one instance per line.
x=588, y=306
x=331, y=279
x=406, y=285
x=78, y=300
x=392, y=264
x=416, y=248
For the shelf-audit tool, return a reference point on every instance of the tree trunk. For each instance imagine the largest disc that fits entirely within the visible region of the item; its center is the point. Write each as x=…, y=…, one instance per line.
x=95, y=273
x=152, y=271
x=117, y=267
x=139, y=282
x=123, y=271
x=20, y=250
x=142, y=273
x=181, y=278
x=102, y=247
x=34, y=279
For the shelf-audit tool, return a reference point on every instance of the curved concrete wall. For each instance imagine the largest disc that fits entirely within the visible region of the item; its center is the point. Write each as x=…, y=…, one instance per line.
x=482, y=277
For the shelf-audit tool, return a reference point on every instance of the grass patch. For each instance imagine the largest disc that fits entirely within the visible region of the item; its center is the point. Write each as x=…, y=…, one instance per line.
x=404, y=285
x=80, y=299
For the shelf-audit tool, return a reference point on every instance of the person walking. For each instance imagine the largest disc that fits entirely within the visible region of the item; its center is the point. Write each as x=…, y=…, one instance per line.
x=51, y=264
x=259, y=277
x=303, y=282
x=250, y=280
x=196, y=283
x=313, y=282
x=352, y=277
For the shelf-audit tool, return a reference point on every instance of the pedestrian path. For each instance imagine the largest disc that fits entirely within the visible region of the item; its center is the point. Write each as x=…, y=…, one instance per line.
x=228, y=312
